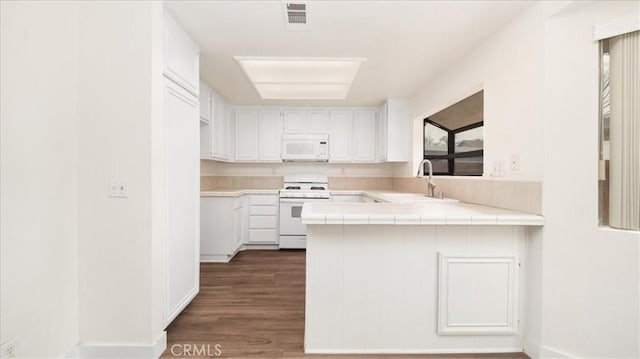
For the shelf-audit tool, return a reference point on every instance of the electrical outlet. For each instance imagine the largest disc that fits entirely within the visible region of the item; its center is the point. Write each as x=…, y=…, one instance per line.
x=8, y=349
x=515, y=162
x=118, y=188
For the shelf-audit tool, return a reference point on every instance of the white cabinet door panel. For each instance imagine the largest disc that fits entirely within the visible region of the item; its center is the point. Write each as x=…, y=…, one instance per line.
x=216, y=219
x=265, y=199
x=269, y=136
x=181, y=56
x=295, y=121
x=263, y=211
x=263, y=236
x=246, y=134
x=478, y=294
x=364, y=136
x=205, y=102
x=317, y=121
x=183, y=197
x=263, y=222
x=340, y=133
x=220, y=122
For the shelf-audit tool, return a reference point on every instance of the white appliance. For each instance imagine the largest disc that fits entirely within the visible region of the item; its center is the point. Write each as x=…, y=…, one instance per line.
x=305, y=147
x=298, y=190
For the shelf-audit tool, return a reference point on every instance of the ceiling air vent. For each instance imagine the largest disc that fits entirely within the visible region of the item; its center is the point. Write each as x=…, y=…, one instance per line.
x=297, y=16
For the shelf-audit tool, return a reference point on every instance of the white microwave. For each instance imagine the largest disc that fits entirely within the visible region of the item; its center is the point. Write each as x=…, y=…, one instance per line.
x=305, y=148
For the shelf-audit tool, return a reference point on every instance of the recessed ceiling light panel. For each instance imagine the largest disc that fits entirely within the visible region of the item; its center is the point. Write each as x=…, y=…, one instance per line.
x=301, y=78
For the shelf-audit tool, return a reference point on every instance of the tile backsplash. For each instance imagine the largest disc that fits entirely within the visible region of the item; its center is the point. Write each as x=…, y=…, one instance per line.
x=208, y=183
x=525, y=196
x=361, y=183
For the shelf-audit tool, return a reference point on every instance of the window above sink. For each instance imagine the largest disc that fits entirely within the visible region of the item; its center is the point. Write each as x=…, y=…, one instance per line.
x=454, y=138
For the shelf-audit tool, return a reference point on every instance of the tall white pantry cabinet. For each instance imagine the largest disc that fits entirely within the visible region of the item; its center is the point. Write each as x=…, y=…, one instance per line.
x=182, y=161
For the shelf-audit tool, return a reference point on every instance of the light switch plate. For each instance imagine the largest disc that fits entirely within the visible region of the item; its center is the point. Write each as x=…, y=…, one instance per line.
x=497, y=169
x=118, y=188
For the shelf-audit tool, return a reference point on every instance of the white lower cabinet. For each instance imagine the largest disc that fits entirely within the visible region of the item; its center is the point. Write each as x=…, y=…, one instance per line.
x=478, y=293
x=240, y=233
x=263, y=219
x=228, y=223
x=223, y=227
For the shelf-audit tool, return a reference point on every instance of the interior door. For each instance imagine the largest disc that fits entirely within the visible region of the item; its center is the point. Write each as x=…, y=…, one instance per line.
x=181, y=116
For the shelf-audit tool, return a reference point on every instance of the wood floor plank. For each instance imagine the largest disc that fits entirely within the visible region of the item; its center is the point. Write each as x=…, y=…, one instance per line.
x=253, y=307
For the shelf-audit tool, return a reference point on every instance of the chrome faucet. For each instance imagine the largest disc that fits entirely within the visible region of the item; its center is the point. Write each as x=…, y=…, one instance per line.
x=431, y=187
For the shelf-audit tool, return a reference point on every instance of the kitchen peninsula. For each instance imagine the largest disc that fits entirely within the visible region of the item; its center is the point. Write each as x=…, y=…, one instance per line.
x=415, y=275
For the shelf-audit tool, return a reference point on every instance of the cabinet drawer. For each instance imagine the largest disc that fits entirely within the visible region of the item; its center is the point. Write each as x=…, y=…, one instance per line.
x=263, y=210
x=263, y=236
x=263, y=199
x=262, y=222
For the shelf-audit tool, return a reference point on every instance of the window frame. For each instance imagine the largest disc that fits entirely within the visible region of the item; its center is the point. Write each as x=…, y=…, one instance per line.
x=451, y=155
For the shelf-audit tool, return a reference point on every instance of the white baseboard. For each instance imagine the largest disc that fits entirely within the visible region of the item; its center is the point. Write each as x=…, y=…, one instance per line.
x=551, y=353
x=413, y=351
x=215, y=258
x=117, y=351
x=251, y=247
x=223, y=258
x=532, y=349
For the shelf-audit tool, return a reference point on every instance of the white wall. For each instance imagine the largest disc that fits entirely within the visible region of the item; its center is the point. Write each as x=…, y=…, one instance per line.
x=591, y=276
x=39, y=260
x=540, y=76
x=118, y=89
x=509, y=67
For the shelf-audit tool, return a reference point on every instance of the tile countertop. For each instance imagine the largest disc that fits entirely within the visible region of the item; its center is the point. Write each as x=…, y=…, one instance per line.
x=412, y=209
x=237, y=192
x=398, y=208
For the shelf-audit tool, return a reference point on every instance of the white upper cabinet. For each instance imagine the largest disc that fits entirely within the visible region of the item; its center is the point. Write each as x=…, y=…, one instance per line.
x=381, y=146
x=258, y=134
x=356, y=135
x=205, y=103
x=214, y=125
x=317, y=121
x=340, y=133
x=397, y=131
x=364, y=136
x=305, y=121
x=246, y=135
x=181, y=56
x=295, y=121
x=220, y=128
x=269, y=135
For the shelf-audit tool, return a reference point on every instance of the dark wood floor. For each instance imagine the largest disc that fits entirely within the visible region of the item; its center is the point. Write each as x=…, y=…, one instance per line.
x=253, y=307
